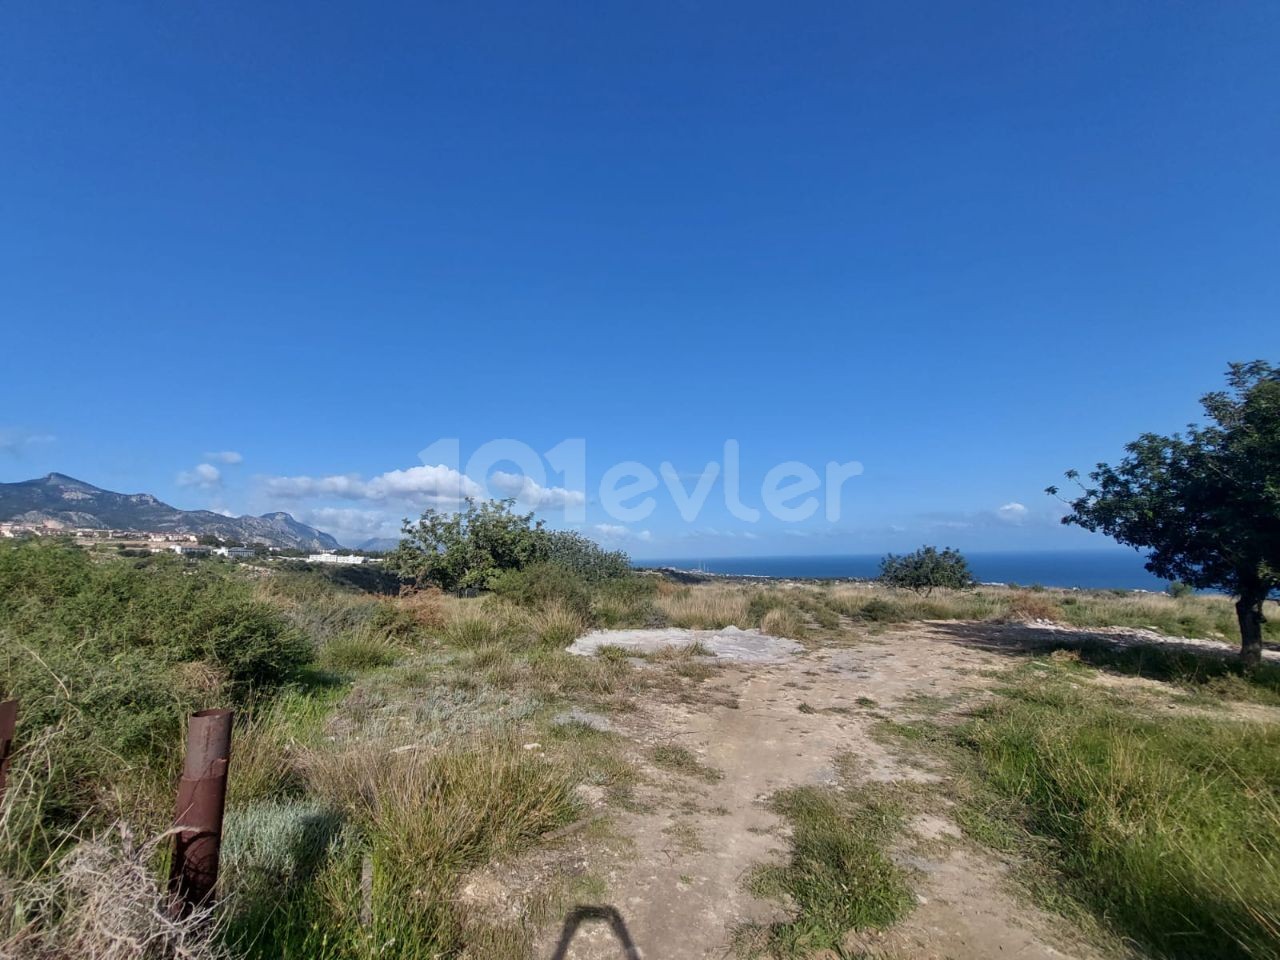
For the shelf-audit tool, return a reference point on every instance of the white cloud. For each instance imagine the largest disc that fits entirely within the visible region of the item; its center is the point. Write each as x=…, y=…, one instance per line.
x=1013, y=513
x=349, y=524
x=435, y=485
x=229, y=457
x=204, y=475
x=533, y=494
x=613, y=531
x=14, y=442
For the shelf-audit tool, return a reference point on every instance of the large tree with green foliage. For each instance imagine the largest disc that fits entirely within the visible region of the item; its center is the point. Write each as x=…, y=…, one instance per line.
x=1206, y=506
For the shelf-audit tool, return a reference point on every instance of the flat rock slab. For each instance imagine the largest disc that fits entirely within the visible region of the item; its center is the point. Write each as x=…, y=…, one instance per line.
x=750, y=646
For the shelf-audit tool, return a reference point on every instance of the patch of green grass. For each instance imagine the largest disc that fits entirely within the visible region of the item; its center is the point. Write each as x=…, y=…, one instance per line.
x=1166, y=829
x=683, y=761
x=838, y=877
x=1204, y=673
x=354, y=653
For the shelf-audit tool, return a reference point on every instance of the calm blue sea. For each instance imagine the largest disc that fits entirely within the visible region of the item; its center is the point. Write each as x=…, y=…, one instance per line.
x=1121, y=569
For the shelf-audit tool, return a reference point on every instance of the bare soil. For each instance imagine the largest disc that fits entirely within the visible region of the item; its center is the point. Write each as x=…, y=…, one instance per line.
x=674, y=857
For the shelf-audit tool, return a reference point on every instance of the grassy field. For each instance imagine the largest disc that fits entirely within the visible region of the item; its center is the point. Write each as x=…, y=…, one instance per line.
x=1163, y=828
x=381, y=756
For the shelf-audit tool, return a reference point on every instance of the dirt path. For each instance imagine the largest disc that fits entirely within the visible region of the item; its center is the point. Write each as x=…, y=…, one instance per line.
x=674, y=861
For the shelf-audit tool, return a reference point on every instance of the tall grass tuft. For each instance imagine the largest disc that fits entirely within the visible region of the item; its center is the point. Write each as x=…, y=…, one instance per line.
x=705, y=608
x=424, y=818
x=557, y=625
x=1168, y=829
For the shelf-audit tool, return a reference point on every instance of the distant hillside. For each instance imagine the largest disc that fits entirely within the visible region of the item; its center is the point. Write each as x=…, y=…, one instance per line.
x=379, y=544
x=62, y=499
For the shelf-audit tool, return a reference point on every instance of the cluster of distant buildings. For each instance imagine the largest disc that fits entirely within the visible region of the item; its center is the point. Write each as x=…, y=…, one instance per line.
x=183, y=544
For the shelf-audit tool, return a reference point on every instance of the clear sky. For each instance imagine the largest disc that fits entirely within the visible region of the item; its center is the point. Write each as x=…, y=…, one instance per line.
x=259, y=255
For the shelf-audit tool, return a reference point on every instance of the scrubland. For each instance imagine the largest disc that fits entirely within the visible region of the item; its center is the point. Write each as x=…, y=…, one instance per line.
x=390, y=744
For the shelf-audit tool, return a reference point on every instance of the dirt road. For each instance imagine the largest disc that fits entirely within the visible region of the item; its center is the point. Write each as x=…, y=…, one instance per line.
x=675, y=860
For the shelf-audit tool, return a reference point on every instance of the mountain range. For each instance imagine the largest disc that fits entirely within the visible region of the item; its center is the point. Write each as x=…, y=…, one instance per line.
x=58, y=498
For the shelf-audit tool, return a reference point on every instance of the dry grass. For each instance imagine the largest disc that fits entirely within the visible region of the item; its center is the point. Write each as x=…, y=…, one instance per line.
x=426, y=607
x=556, y=625
x=705, y=608
x=782, y=622
x=103, y=901
x=1025, y=605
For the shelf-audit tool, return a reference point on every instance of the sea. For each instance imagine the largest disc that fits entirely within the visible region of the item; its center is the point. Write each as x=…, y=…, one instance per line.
x=1118, y=569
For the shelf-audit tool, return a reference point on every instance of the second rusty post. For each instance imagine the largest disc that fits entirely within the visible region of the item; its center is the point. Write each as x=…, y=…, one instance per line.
x=202, y=795
x=8, y=730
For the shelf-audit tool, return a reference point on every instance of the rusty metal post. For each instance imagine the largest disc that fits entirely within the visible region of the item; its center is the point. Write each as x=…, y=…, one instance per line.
x=202, y=795
x=8, y=730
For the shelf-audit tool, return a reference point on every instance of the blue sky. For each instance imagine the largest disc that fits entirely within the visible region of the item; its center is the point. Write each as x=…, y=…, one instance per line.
x=259, y=256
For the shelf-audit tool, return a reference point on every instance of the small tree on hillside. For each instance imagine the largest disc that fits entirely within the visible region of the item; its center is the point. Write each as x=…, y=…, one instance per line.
x=926, y=569
x=1206, y=506
x=467, y=549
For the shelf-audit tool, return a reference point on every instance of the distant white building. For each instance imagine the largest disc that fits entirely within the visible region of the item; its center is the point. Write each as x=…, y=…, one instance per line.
x=190, y=549
x=233, y=553
x=334, y=558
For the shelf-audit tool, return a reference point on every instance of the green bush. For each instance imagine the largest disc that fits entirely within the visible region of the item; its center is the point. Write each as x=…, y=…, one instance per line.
x=878, y=610
x=586, y=558
x=114, y=654
x=626, y=602
x=467, y=549
x=542, y=584
x=473, y=547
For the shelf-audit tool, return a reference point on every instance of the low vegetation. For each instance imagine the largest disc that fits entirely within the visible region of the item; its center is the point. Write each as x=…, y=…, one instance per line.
x=391, y=742
x=1166, y=827
x=838, y=878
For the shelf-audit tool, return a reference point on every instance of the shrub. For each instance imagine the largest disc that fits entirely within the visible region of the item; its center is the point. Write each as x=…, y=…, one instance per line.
x=586, y=558
x=879, y=610
x=542, y=584
x=926, y=569
x=471, y=548
x=115, y=654
x=1179, y=589
x=455, y=551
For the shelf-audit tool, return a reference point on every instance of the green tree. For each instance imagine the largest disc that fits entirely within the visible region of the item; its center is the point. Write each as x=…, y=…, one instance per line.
x=1205, y=506
x=468, y=548
x=926, y=569
x=584, y=557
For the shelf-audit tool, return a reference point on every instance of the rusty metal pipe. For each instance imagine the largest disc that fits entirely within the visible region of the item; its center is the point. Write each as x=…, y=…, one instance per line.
x=202, y=794
x=8, y=730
